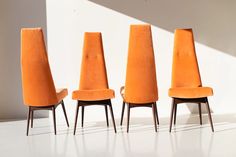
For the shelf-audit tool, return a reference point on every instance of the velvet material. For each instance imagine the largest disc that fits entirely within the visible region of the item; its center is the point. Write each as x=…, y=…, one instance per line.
x=37, y=82
x=186, y=80
x=93, y=77
x=141, y=83
x=61, y=93
x=191, y=92
x=100, y=94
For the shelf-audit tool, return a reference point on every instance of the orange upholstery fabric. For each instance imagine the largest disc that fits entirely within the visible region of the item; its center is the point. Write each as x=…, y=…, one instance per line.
x=93, y=94
x=61, y=93
x=93, y=77
x=192, y=92
x=37, y=82
x=186, y=80
x=141, y=83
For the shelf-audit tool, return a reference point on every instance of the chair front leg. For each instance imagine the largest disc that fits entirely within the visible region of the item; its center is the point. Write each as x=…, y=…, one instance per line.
x=128, y=116
x=112, y=115
x=209, y=115
x=76, y=116
x=64, y=110
x=28, y=121
x=82, y=117
x=175, y=113
x=172, y=112
x=154, y=116
x=32, y=118
x=156, y=113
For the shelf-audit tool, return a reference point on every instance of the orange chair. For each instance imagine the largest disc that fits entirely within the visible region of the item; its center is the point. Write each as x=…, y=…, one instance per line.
x=93, y=87
x=140, y=88
x=186, y=85
x=38, y=88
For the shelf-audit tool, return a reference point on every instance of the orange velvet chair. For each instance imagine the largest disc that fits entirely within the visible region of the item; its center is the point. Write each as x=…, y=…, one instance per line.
x=186, y=85
x=93, y=87
x=38, y=87
x=140, y=88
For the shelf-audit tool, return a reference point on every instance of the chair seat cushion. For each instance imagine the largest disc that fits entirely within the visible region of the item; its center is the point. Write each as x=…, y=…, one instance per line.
x=91, y=95
x=61, y=93
x=191, y=92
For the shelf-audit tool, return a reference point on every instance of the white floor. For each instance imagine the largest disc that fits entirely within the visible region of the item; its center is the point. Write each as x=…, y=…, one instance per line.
x=96, y=140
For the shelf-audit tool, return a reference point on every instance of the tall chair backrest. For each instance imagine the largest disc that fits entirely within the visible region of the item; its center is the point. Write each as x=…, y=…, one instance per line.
x=37, y=81
x=93, y=73
x=185, y=71
x=141, y=82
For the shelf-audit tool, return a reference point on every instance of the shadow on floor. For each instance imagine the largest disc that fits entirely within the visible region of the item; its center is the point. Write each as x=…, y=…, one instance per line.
x=184, y=123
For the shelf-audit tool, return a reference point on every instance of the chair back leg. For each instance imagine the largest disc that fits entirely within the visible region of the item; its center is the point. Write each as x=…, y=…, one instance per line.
x=54, y=120
x=122, y=113
x=200, y=112
x=106, y=115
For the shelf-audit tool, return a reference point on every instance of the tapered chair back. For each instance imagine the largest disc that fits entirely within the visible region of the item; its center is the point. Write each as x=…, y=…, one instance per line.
x=37, y=81
x=185, y=71
x=93, y=69
x=141, y=82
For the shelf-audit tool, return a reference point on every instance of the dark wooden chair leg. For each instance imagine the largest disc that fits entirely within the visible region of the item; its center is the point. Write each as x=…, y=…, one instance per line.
x=154, y=116
x=54, y=119
x=175, y=113
x=122, y=113
x=156, y=113
x=128, y=117
x=76, y=116
x=64, y=110
x=32, y=118
x=28, y=121
x=106, y=115
x=172, y=112
x=112, y=115
x=82, y=117
x=200, y=113
x=209, y=115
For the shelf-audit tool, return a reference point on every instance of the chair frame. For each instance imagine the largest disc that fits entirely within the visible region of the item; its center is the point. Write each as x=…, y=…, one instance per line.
x=199, y=101
x=133, y=105
x=105, y=103
x=52, y=108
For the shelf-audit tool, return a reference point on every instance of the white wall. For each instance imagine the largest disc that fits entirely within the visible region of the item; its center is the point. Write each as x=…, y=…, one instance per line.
x=67, y=20
x=13, y=16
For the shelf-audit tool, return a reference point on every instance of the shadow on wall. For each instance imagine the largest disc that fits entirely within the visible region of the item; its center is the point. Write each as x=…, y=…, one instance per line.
x=212, y=21
x=14, y=15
